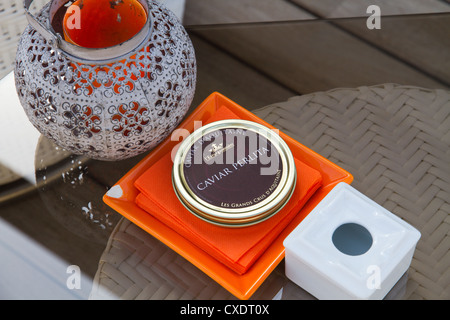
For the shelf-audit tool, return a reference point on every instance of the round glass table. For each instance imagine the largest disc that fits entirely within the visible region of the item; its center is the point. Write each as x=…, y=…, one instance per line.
x=323, y=82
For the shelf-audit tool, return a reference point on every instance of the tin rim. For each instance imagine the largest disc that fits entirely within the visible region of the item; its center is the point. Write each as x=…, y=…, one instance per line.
x=235, y=216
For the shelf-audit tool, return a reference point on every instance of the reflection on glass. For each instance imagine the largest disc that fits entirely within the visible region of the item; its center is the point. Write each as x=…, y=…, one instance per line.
x=71, y=194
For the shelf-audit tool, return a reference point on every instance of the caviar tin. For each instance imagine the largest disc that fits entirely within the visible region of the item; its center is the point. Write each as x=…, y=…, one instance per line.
x=234, y=173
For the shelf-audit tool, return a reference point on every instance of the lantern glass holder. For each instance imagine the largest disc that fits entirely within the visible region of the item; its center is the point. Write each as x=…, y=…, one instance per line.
x=82, y=54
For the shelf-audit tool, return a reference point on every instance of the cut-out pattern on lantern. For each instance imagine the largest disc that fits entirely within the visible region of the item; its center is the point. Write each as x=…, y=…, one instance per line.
x=112, y=109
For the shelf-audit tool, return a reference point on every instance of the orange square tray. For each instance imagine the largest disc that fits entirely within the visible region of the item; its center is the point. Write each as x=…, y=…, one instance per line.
x=241, y=286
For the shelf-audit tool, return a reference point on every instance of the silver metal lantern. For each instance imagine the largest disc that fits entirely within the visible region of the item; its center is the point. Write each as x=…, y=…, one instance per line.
x=109, y=103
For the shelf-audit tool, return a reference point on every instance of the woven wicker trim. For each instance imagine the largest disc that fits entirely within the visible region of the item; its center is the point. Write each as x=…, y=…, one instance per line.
x=12, y=24
x=137, y=266
x=395, y=140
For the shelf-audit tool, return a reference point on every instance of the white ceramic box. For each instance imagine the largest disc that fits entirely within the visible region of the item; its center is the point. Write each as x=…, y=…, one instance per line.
x=349, y=247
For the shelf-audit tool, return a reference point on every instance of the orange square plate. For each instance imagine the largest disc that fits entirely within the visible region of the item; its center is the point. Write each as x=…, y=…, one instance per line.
x=241, y=286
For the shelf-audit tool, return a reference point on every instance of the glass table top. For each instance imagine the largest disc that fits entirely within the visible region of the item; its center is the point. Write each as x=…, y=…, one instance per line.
x=53, y=222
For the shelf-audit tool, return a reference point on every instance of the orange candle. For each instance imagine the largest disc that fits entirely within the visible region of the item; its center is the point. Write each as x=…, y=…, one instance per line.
x=103, y=23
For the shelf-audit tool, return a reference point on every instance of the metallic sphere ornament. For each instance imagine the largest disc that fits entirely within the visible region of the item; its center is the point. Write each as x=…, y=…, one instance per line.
x=106, y=103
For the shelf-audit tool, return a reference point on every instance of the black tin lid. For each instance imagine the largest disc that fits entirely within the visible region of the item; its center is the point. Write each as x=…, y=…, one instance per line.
x=234, y=173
